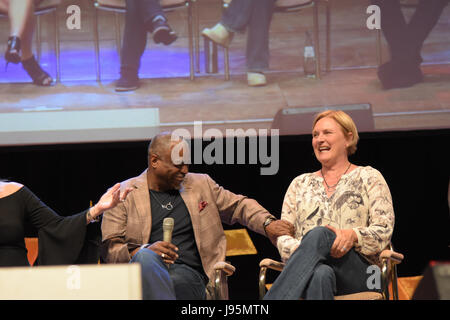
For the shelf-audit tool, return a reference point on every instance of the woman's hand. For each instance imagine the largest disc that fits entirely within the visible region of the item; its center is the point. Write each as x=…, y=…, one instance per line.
x=345, y=240
x=109, y=200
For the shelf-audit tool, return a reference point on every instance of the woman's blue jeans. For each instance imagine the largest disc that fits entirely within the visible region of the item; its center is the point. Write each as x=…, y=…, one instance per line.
x=311, y=273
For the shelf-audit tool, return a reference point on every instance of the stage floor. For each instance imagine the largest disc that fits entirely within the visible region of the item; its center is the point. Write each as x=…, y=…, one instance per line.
x=223, y=104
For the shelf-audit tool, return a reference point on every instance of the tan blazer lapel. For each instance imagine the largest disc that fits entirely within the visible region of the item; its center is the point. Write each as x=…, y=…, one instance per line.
x=143, y=205
x=191, y=199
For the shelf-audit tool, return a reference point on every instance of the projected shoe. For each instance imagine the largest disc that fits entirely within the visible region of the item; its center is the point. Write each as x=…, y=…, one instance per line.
x=162, y=32
x=12, y=53
x=218, y=34
x=256, y=79
x=34, y=70
x=127, y=83
x=399, y=74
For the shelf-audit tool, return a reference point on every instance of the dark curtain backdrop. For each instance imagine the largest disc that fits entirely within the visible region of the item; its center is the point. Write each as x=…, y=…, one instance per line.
x=414, y=164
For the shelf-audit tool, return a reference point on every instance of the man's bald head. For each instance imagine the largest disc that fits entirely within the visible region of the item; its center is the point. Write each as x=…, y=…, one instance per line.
x=161, y=144
x=167, y=145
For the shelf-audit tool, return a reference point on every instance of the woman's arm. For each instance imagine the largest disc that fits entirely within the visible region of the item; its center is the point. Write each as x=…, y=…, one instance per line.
x=287, y=244
x=376, y=236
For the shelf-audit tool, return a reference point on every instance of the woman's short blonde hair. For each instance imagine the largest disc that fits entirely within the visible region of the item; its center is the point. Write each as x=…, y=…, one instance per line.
x=346, y=123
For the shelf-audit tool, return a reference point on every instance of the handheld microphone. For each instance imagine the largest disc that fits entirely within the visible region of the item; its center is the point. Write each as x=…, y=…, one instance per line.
x=167, y=229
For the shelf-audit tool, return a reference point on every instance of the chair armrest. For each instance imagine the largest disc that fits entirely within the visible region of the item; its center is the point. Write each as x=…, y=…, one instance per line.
x=389, y=260
x=264, y=265
x=365, y=295
x=272, y=264
x=395, y=257
x=227, y=268
x=222, y=270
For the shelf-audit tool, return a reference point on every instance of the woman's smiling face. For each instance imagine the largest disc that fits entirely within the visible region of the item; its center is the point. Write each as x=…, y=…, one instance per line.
x=329, y=142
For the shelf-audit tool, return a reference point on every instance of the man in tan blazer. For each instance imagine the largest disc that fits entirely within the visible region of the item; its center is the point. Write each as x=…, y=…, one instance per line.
x=181, y=269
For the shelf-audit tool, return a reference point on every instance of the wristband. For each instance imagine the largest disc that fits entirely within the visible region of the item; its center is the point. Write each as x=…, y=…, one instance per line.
x=92, y=219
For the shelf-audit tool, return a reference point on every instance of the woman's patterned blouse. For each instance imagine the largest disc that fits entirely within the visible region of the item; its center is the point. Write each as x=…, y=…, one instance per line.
x=362, y=202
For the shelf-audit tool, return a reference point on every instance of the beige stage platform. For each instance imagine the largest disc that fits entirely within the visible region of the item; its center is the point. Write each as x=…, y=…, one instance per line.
x=232, y=104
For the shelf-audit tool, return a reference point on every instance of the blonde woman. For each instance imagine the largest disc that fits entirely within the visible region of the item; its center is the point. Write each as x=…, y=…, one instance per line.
x=343, y=218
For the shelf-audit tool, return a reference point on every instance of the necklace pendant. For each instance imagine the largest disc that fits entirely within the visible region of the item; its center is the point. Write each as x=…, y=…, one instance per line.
x=168, y=206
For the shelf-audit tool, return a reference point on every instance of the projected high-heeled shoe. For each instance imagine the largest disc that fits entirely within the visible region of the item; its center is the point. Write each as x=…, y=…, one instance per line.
x=34, y=70
x=12, y=53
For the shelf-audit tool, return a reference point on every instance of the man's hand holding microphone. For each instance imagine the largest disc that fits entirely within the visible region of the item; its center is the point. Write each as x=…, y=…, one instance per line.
x=165, y=249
